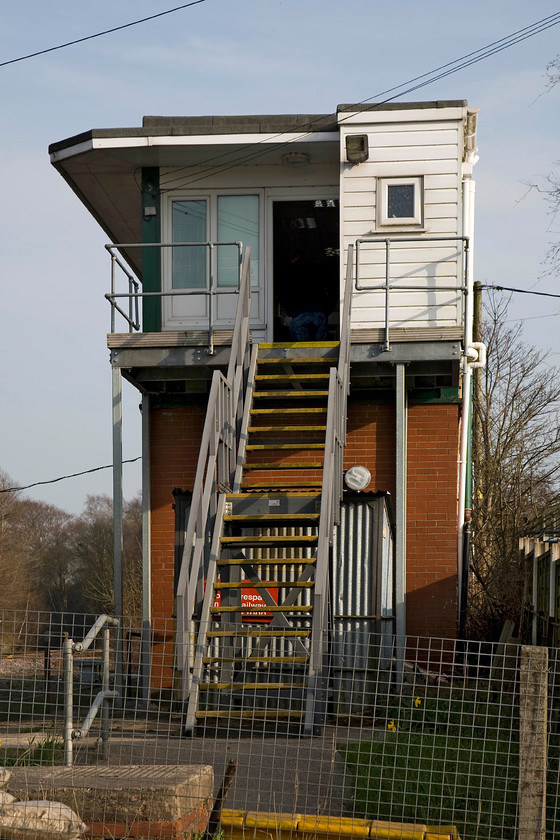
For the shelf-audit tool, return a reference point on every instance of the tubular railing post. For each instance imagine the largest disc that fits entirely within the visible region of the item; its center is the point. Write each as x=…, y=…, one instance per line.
x=211, y=302
x=68, y=698
x=387, y=281
x=113, y=260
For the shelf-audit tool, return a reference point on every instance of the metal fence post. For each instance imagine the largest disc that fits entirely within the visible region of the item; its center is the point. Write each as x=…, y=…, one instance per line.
x=68, y=698
x=533, y=691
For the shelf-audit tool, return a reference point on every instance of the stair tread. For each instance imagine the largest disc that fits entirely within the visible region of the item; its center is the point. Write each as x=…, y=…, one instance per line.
x=270, y=517
x=270, y=561
x=241, y=686
x=244, y=632
x=295, y=445
x=296, y=360
x=276, y=660
x=272, y=584
x=254, y=714
x=291, y=394
x=310, y=494
x=303, y=427
x=248, y=608
x=284, y=465
x=290, y=377
x=292, y=410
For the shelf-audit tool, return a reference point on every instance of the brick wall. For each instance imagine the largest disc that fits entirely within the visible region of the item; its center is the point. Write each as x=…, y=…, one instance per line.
x=431, y=500
x=432, y=440
x=175, y=435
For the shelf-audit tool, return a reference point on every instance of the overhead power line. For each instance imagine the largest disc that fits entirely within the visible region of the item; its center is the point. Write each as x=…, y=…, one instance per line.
x=99, y=34
x=520, y=291
x=404, y=88
x=63, y=477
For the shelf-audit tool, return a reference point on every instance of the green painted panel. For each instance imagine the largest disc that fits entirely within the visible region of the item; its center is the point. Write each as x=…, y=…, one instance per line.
x=151, y=257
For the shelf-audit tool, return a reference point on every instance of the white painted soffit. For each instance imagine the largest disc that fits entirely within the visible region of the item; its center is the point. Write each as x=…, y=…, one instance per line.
x=108, y=143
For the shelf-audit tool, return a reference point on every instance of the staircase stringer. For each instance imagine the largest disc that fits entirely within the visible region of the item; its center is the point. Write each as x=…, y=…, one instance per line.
x=331, y=497
x=205, y=618
x=243, y=433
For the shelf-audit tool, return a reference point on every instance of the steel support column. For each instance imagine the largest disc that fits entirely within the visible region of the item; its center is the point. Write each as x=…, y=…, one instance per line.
x=146, y=554
x=400, y=516
x=118, y=523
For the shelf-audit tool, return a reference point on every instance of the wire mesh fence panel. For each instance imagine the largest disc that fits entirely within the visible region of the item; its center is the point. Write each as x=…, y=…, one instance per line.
x=426, y=737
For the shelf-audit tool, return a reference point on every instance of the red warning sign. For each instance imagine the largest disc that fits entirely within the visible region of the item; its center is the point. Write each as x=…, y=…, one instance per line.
x=251, y=597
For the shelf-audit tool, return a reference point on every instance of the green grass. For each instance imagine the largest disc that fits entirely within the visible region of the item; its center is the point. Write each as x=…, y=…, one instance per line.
x=41, y=751
x=451, y=758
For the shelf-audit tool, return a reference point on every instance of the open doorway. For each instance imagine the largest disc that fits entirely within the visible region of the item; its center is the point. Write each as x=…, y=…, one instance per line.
x=305, y=232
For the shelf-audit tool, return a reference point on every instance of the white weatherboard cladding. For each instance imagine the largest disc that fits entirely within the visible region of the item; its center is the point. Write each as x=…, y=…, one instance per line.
x=431, y=150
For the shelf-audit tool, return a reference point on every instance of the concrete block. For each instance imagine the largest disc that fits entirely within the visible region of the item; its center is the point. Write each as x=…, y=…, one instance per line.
x=126, y=801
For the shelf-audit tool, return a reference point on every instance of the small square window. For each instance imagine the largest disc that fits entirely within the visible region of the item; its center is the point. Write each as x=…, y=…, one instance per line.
x=400, y=201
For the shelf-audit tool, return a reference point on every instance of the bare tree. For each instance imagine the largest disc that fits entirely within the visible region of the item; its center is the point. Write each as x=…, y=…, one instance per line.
x=516, y=458
x=93, y=546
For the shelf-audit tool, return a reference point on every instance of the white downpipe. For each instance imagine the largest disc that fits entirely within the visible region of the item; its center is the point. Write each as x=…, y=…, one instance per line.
x=468, y=230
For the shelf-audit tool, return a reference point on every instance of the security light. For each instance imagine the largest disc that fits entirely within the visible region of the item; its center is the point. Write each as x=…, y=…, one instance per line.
x=357, y=150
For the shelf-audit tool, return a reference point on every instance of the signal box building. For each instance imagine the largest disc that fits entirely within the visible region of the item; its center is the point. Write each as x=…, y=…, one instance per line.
x=290, y=483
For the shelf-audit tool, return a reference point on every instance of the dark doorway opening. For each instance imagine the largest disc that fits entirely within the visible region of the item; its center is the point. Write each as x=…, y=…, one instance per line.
x=306, y=230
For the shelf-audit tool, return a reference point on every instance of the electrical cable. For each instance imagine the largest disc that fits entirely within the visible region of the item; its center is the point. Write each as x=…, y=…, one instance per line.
x=521, y=291
x=99, y=34
x=449, y=68
x=63, y=477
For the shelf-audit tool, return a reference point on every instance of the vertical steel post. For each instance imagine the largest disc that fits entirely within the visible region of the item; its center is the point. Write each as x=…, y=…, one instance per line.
x=105, y=670
x=68, y=698
x=400, y=531
x=117, y=522
x=387, y=283
x=146, y=555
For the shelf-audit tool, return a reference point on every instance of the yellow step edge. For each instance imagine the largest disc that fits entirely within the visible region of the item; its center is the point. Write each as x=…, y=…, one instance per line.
x=273, y=584
x=251, y=714
x=301, y=428
x=292, y=410
x=271, y=660
x=310, y=494
x=268, y=446
x=249, y=686
x=294, y=345
x=284, y=465
x=275, y=540
x=291, y=394
x=270, y=517
x=266, y=634
x=296, y=360
x=280, y=377
x=270, y=561
x=261, y=608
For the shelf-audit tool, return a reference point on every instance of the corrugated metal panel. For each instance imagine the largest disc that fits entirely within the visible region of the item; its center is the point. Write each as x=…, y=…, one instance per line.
x=362, y=600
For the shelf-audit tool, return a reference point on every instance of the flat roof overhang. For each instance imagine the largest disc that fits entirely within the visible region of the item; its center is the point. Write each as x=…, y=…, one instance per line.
x=103, y=166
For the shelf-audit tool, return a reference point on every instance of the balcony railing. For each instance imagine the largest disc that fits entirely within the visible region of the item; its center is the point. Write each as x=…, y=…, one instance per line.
x=375, y=260
x=130, y=311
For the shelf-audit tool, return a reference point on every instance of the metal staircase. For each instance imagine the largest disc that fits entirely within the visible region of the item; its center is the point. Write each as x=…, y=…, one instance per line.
x=260, y=583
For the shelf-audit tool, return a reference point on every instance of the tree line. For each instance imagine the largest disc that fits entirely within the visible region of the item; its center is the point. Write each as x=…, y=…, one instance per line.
x=55, y=561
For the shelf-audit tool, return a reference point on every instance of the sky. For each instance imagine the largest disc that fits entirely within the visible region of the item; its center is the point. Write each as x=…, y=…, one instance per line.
x=229, y=57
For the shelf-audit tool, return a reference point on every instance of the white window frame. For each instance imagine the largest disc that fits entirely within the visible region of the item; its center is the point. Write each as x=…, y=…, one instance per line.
x=386, y=221
x=211, y=198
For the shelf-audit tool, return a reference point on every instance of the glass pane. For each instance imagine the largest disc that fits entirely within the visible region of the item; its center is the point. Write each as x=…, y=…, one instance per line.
x=238, y=221
x=189, y=263
x=400, y=201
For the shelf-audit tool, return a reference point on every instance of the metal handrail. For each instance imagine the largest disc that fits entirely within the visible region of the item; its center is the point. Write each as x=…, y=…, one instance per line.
x=388, y=287
x=69, y=648
x=215, y=475
x=331, y=496
x=133, y=295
